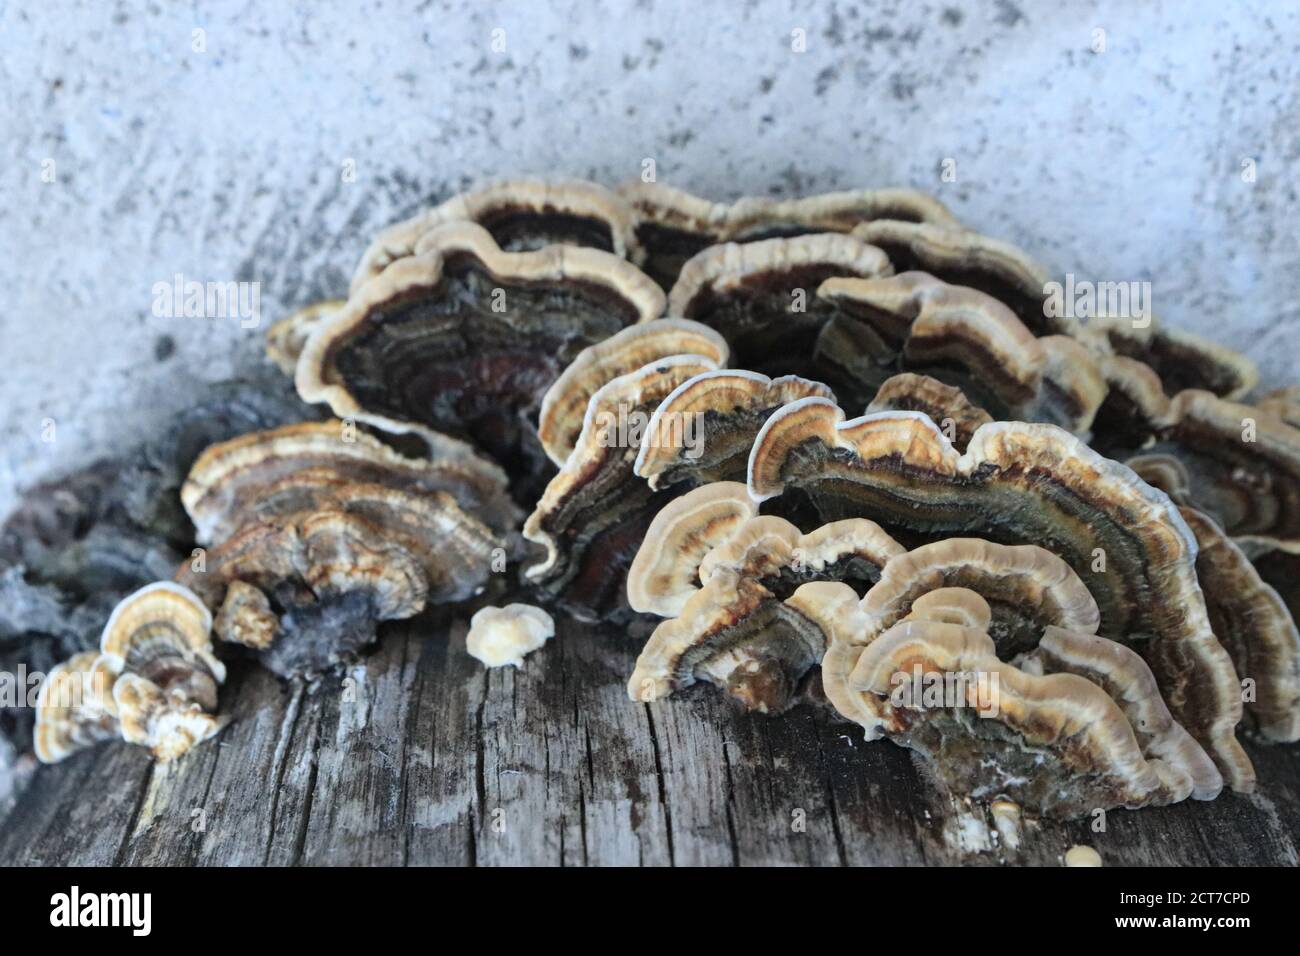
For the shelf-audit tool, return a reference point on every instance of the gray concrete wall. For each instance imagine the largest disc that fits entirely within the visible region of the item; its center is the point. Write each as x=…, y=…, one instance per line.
x=226, y=163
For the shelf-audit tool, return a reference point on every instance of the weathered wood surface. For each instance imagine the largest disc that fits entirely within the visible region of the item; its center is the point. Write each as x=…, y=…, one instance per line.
x=426, y=758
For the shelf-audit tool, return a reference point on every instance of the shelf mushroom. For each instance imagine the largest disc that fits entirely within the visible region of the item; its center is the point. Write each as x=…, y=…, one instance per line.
x=465, y=338
x=521, y=215
x=153, y=682
x=762, y=295
x=1026, y=484
x=593, y=513
x=1238, y=464
x=915, y=322
x=75, y=707
x=286, y=337
x=318, y=532
x=1056, y=744
x=672, y=225
x=736, y=630
x=564, y=406
x=946, y=406
x=963, y=257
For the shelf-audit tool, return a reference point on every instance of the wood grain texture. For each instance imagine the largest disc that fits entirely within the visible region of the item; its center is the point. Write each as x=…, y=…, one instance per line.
x=417, y=755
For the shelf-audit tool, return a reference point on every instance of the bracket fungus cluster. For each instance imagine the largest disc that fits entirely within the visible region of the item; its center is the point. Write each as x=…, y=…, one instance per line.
x=1081, y=510
x=672, y=226
x=1027, y=484
x=319, y=531
x=153, y=681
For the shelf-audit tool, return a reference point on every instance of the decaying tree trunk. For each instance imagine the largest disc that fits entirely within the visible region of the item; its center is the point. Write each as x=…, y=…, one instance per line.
x=418, y=755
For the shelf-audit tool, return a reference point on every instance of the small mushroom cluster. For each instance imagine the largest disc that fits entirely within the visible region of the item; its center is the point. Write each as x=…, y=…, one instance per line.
x=315, y=532
x=153, y=681
x=1079, y=513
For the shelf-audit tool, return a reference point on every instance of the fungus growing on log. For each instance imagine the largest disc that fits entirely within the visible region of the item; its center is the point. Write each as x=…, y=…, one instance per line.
x=564, y=405
x=1134, y=410
x=947, y=406
x=1238, y=464
x=964, y=258
x=154, y=680
x=762, y=295
x=1253, y=623
x=736, y=631
x=672, y=225
x=1181, y=360
x=465, y=338
x=594, y=512
x=1056, y=744
x=229, y=482
x=500, y=636
x=1026, y=484
x=1184, y=360
x=319, y=561
x=1009, y=591
x=666, y=569
x=915, y=322
x=1126, y=678
x=521, y=215
x=704, y=429
x=75, y=707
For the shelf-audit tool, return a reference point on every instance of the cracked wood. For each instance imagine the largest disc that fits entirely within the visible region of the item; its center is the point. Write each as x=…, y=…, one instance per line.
x=417, y=755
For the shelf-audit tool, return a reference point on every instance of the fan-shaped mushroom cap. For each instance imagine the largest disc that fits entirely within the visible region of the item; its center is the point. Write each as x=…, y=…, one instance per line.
x=463, y=337
x=1125, y=677
x=946, y=327
x=944, y=404
x=735, y=634
x=673, y=225
x=1184, y=360
x=751, y=294
x=158, y=643
x=1135, y=407
x=165, y=723
x=1242, y=467
x=735, y=631
x=965, y=258
x=1057, y=744
x=1018, y=484
x=521, y=215
x=505, y=635
x=565, y=403
x=162, y=633
x=230, y=480
x=1252, y=622
x=1180, y=359
x=307, y=578
x=285, y=339
x=952, y=606
x=75, y=707
x=703, y=430
x=767, y=547
x=1018, y=589
x=594, y=513
x=666, y=569
x=1073, y=386
x=1025, y=586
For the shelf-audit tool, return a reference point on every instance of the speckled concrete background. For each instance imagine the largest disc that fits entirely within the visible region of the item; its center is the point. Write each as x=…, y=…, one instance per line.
x=227, y=162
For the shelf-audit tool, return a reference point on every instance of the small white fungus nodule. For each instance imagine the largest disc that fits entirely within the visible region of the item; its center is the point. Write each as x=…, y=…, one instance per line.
x=1082, y=856
x=504, y=635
